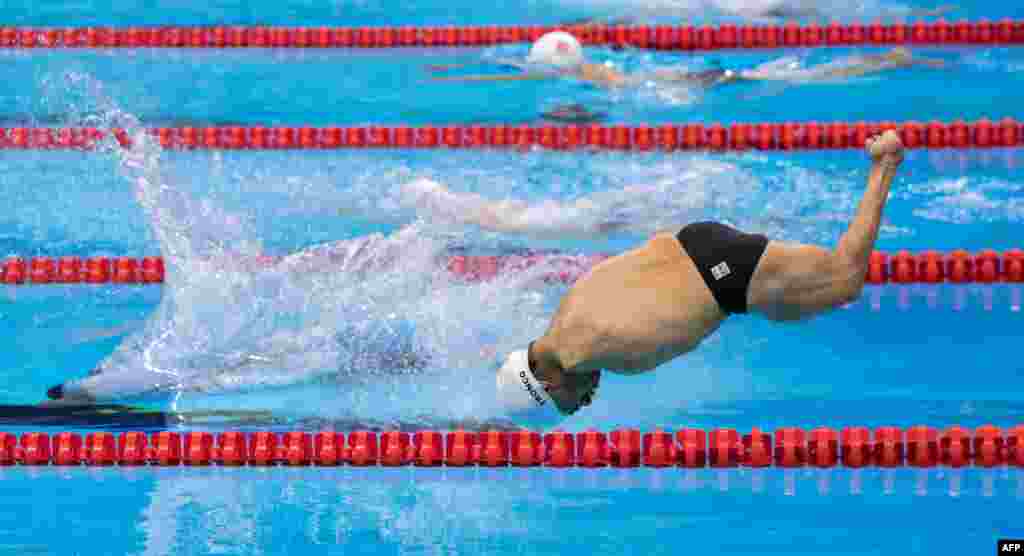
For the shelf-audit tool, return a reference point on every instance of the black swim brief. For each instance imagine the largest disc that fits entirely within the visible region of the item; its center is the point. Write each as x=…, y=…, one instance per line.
x=726, y=259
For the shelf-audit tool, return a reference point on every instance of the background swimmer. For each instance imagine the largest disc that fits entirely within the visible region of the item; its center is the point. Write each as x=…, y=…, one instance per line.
x=788, y=9
x=788, y=69
x=760, y=10
x=558, y=55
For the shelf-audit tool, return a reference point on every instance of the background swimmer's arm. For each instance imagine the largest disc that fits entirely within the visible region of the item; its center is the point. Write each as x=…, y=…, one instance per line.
x=597, y=21
x=880, y=63
x=550, y=219
x=783, y=11
x=509, y=216
x=855, y=70
x=500, y=62
x=513, y=77
x=930, y=62
x=941, y=10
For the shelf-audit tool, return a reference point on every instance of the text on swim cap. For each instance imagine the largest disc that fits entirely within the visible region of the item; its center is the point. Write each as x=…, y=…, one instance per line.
x=529, y=388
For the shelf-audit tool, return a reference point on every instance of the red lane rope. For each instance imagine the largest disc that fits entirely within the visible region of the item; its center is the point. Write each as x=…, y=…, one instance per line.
x=664, y=37
x=958, y=134
x=928, y=267
x=854, y=447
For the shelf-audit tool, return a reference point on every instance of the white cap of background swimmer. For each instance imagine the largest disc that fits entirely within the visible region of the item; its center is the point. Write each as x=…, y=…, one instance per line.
x=557, y=48
x=521, y=397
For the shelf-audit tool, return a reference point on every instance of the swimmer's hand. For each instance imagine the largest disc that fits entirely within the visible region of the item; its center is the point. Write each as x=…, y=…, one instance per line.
x=885, y=148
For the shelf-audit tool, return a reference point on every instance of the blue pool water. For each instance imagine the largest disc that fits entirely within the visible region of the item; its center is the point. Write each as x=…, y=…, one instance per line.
x=900, y=356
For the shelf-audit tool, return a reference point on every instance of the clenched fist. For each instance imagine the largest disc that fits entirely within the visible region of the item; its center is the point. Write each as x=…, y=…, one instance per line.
x=886, y=147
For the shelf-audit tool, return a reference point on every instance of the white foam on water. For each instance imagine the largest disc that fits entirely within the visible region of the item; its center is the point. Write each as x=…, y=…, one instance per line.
x=318, y=332
x=965, y=200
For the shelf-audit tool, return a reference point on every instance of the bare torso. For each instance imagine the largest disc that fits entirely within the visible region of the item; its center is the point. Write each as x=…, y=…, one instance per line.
x=601, y=75
x=634, y=312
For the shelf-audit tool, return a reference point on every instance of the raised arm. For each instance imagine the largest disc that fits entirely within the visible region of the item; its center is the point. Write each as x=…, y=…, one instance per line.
x=859, y=240
x=794, y=281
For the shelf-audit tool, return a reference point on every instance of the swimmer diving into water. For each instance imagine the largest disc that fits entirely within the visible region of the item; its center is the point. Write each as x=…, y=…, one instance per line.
x=636, y=311
x=559, y=54
x=628, y=314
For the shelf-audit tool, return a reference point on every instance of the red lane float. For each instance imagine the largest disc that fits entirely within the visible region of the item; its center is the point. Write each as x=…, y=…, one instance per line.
x=957, y=267
x=661, y=37
x=854, y=447
x=902, y=268
x=736, y=136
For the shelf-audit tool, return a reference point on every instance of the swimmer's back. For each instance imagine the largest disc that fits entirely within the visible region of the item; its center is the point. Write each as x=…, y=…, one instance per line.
x=649, y=300
x=600, y=74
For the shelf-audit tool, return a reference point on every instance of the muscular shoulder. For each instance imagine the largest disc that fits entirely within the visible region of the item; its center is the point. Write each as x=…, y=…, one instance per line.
x=664, y=244
x=782, y=259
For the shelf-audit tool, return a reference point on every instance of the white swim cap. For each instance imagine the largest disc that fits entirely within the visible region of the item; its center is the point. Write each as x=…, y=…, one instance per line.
x=521, y=396
x=557, y=48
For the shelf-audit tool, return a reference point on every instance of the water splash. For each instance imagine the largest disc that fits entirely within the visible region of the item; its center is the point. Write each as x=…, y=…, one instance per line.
x=321, y=331
x=357, y=327
x=372, y=327
x=967, y=199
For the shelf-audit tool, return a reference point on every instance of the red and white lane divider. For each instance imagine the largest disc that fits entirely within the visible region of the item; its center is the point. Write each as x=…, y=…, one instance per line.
x=853, y=447
x=928, y=267
x=787, y=136
x=662, y=37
